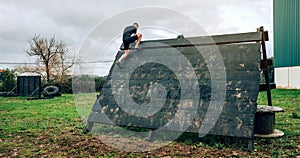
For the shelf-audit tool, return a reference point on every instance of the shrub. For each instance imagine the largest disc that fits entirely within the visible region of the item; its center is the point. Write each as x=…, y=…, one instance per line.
x=80, y=84
x=8, y=80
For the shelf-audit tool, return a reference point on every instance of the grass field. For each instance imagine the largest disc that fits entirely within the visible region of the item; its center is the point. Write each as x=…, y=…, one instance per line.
x=53, y=128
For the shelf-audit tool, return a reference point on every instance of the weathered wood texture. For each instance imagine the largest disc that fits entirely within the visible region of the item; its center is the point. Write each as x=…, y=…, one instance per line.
x=202, y=41
x=241, y=61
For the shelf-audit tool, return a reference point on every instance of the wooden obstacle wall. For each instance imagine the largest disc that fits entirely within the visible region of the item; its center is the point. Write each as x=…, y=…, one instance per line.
x=241, y=56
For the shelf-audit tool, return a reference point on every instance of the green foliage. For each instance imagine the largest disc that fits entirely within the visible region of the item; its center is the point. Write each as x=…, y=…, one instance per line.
x=87, y=84
x=64, y=86
x=82, y=84
x=99, y=82
x=8, y=80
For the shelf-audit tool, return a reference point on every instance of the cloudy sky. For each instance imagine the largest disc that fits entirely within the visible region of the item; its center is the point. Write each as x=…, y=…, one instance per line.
x=75, y=21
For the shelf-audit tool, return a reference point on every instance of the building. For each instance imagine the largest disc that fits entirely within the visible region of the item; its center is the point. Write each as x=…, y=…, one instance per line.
x=287, y=43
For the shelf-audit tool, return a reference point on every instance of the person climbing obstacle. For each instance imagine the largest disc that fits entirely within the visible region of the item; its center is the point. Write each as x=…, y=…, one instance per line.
x=129, y=36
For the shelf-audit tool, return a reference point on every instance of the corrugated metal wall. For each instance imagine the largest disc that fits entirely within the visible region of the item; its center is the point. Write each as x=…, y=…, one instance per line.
x=286, y=33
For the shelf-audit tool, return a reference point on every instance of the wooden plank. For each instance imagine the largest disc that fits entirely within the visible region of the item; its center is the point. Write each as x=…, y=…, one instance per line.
x=201, y=41
x=231, y=95
x=263, y=87
x=197, y=51
x=234, y=55
x=241, y=106
x=264, y=64
x=169, y=78
x=234, y=102
x=238, y=126
x=239, y=83
x=235, y=125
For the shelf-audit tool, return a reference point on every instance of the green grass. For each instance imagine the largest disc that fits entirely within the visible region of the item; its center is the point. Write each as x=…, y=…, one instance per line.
x=288, y=122
x=52, y=127
x=19, y=114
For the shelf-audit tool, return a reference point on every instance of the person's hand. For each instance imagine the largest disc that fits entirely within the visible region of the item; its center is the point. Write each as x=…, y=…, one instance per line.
x=139, y=35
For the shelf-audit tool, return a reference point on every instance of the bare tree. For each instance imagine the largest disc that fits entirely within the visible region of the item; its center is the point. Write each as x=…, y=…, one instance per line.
x=61, y=64
x=28, y=68
x=51, y=54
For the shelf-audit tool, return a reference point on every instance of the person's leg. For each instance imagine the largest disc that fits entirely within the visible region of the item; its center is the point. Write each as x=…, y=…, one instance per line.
x=139, y=38
x=124, y=55
x=126, y=50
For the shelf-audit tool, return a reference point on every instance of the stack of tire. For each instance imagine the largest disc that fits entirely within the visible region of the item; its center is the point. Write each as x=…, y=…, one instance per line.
x=51, y=91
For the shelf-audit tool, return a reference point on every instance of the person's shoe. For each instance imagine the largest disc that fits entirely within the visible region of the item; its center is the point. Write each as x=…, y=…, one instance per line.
x=119, y=64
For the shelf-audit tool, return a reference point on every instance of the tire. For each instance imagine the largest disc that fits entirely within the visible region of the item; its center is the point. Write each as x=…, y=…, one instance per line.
x=51, y=91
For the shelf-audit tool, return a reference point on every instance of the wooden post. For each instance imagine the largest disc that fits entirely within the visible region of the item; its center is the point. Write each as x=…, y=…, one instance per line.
x=151, y=136
x=250, y=144
x=88, y=127
x=266, y=70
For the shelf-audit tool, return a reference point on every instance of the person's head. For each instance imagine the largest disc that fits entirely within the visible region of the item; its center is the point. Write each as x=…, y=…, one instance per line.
x=136, y=25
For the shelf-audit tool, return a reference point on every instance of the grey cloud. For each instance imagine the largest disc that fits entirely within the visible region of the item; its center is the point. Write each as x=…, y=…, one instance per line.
x=71, y=21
